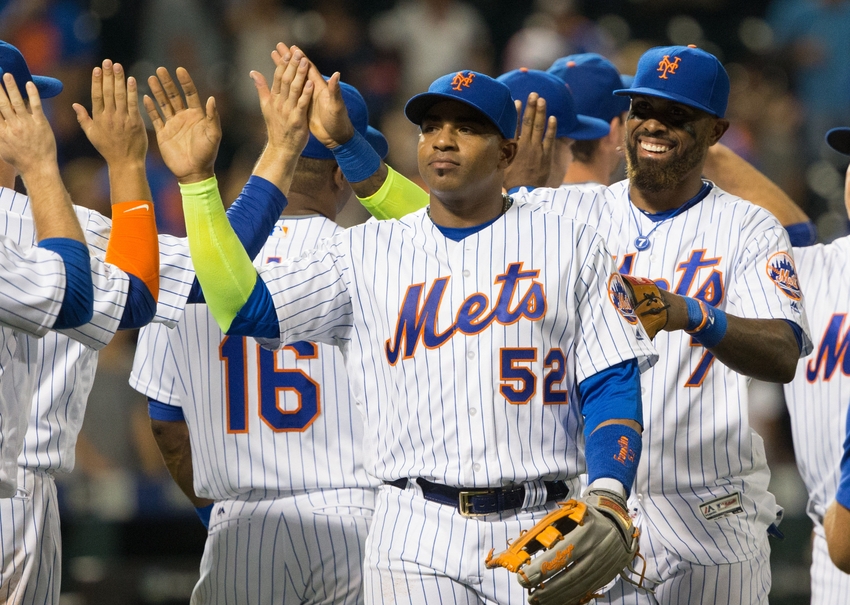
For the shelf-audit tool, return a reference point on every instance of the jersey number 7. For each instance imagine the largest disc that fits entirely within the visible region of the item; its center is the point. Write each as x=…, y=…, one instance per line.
x=271, y=380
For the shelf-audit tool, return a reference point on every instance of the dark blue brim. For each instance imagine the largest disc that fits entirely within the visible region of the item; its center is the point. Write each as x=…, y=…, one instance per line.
x=654, y=92
x=839, y=139
x=588, y=128
x=47, y=86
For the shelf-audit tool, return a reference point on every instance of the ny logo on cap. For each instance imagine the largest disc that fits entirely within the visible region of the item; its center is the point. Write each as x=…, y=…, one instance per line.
x=460, y=81
x=665, y=66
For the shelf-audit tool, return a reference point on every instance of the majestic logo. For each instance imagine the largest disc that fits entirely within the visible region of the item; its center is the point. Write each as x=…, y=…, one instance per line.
x=620, y=298
x=665, y=66
x=461, y=81
x=780, y=268
x=417, y=320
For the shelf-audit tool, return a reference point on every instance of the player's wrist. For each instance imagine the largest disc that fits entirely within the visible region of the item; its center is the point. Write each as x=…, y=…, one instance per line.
x=706, y=324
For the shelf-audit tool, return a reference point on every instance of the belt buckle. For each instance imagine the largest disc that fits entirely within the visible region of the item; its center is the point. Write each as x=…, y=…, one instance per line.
x=464, y=502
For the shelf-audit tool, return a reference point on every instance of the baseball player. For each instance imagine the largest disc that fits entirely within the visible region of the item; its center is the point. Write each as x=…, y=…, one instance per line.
x=272, y=438
x=818, y=397
x=701, y=496
x=64, y=368
x=465, y=342
x=124, y=273
x=592, y=80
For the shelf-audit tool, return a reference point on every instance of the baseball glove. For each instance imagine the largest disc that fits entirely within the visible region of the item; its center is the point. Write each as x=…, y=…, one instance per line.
x=574, y=551
x=647, y=302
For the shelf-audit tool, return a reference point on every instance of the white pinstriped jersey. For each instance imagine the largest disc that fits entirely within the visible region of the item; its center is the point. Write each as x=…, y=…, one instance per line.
x=64, y=363
x=699, y=449
x=261, y=424
x=464, y=356
x=818, y=396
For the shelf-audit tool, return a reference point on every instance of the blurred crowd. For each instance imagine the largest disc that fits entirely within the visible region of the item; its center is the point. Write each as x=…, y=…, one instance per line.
x=788, y=60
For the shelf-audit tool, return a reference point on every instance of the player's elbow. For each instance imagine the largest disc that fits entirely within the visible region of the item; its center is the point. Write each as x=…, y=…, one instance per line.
x=787, y=369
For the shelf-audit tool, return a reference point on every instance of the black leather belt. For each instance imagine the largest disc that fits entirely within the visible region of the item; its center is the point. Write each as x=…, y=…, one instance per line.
x=473, y=502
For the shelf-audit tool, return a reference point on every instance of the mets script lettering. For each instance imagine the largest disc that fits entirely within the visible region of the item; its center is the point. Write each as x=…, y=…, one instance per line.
x=417, y=320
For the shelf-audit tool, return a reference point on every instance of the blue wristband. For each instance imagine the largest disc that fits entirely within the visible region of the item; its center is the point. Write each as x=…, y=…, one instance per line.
x=711, y=328
x=695, y=315
x=357, y=159
x=613, y=451
x=204, y=514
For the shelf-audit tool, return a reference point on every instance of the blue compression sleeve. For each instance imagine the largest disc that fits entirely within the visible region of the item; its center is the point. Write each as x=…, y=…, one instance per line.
x=140, y=306
x=162, y=411
x=252, y=216
x=802, y=234
x=843, y=493
x=78, y=305
x=612, y=393
x=257, y=316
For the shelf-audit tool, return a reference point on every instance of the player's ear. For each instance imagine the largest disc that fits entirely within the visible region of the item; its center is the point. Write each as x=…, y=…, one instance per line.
x=507, y=153
x=339, y=180
x=718, y=130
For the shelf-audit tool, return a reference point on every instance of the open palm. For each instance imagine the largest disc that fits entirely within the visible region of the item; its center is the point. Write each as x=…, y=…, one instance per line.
x=188, y=134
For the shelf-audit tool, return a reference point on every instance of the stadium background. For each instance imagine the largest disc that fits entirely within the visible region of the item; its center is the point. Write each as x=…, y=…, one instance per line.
x=129, y=535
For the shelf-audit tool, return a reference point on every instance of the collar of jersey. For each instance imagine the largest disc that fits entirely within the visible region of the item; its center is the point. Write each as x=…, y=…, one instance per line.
x=458, y=233
x=657, y=217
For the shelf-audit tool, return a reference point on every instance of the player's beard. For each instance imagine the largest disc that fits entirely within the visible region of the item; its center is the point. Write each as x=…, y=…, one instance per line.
x=654, y=176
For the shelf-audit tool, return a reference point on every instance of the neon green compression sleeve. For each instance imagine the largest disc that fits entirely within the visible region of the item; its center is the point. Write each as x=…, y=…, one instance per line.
x=397, y=197
x=224, y=269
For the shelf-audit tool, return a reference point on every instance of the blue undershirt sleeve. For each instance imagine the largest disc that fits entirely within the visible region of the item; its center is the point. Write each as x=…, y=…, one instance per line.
x=612, y=393
x=78, y=304
x=140, y=306
x=843, y=493
x=162, y=411
x=802, y=234
x=257, y=317
x=798, y=333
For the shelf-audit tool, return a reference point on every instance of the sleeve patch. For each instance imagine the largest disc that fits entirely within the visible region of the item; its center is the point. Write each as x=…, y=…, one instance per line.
x=783, y=273
x=620, y=298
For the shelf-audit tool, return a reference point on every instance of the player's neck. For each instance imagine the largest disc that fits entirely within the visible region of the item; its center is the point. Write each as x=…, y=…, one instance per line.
x=459, y=213
x=304, y=205
x=581, y=172
x=667, y=199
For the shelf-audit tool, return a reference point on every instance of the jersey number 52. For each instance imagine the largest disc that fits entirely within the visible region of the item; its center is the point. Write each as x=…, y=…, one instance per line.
x=271, y=381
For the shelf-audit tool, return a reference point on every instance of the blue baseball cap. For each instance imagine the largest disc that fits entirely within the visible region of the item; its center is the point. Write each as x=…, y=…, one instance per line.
x=684, y=74
x=559, y=102
x=593, y=79
x=839, y=139
x=477, y=90
x=13, y=62
x=359, y=115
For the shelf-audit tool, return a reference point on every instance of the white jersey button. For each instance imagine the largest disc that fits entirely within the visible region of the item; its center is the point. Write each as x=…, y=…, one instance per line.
x=476, y=467
x=471, y=354
x=472, y=411
x=466, y=273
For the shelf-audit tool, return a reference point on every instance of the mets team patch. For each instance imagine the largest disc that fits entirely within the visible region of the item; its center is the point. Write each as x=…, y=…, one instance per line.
x=620, y=298
x=781, y=269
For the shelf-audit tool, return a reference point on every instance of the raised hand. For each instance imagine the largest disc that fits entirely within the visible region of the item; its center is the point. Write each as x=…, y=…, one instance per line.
x=188, y=134
x=115, y=126
x=26, y=139
x=286, y=105
x=535, y=146
x=329, y=121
